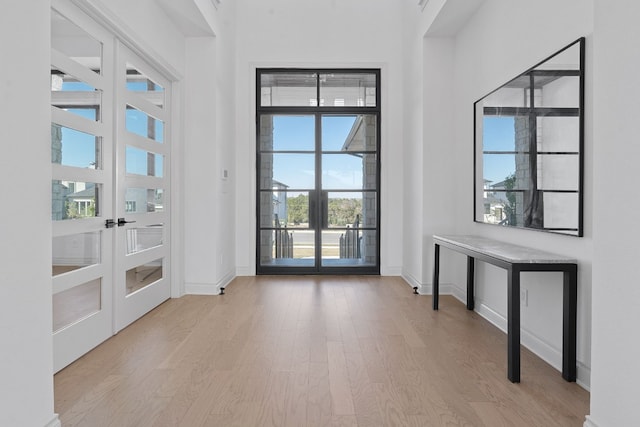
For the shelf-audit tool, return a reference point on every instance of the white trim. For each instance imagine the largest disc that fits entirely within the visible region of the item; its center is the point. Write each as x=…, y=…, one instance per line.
x=589, y=422
x=390, y=271
x=176, y=186
x=76, y=122
x=412, y=281
x=68, y=65
x=208, y=288
x=245, y=271
x=55, y=422
x=125, y=34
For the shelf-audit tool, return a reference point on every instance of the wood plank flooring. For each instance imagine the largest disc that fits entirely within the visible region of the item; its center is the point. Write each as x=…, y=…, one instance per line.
x=312, y=351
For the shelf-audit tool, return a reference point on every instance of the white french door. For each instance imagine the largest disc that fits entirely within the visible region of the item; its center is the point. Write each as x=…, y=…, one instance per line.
x=142, y=188
x=110, y=171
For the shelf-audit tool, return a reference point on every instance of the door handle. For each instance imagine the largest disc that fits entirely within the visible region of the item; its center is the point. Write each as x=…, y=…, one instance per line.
x=122, y=222
x=324, y=209
x=312, y=209
x=109, y=223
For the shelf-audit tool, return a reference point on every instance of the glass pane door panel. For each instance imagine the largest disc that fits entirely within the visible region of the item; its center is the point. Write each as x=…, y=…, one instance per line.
x=142, y=124
x=349, y=171
x=143, y=238
x=74, y=200
x=349, y=247
x=348, y=90
x=75, y=251
x=352, y=209
x=288, y=89
x=142, y=162
x=140, y=83
x=284, y=247
x=289, y=209
x=76, y=304
x=143, y=275
x=287, y=133
x=71, y=147
x=144, y=200
x=292, y=171
x=75, y=42
x=352, y=133
x=75, y=96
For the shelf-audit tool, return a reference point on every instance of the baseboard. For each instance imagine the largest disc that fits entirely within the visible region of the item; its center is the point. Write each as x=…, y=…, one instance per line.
x=208, y=288
x=413, y=282
x=391, y=271
x=55, y=422
x=589, y=422
x=537, y=345
x=245, y=271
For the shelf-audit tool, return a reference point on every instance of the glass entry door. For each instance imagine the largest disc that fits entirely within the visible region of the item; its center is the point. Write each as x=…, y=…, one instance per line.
x=318, y=172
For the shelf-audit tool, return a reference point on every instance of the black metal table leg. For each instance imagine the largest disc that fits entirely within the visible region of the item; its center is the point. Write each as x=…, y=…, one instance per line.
x=569, y=320
x=470, y=281
x=436, y=275
x=513, y=324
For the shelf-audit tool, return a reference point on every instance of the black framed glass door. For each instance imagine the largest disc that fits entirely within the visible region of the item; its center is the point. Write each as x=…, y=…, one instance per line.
x=318, y=163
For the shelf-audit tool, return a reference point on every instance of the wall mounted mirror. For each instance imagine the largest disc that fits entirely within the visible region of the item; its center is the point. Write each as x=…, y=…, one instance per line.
x=528, y=146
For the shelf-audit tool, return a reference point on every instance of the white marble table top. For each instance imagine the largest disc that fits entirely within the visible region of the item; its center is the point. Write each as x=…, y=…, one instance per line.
x=503, y=251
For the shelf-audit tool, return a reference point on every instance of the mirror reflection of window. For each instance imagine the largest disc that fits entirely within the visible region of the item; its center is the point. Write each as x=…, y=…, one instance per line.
x=528, y=147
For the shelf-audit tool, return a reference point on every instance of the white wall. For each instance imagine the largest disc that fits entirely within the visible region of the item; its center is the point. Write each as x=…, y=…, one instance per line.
x=26, y=359
x=493, y=46
x=616, y=295
x=149, y=25
x=308, y=33
x=209, y=208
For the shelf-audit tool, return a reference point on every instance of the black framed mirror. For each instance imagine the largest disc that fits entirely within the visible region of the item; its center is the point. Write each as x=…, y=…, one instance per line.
x=528, y=145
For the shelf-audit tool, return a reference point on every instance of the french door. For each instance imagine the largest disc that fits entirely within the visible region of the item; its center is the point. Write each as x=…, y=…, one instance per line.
x=109, y=155
x=318, y=175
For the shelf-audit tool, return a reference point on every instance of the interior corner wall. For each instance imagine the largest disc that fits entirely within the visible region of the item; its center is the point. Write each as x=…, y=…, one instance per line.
x=413, y=149
x=201, y=183
x=501, y=40
x=209, y=123
x=616, y=348
x=306, y=33
x=26, y=358
x=440, y=201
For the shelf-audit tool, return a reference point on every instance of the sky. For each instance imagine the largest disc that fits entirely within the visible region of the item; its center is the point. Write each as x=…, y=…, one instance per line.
x=340, y=171
x=498, y=134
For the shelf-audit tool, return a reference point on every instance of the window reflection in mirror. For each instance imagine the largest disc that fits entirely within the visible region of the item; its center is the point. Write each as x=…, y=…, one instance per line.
x=528, y=147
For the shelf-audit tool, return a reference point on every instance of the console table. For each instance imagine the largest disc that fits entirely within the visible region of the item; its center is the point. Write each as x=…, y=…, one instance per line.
x=516, y=259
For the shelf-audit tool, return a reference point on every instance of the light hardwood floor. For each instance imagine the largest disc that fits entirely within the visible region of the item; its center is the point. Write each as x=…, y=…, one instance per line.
x=312, y=351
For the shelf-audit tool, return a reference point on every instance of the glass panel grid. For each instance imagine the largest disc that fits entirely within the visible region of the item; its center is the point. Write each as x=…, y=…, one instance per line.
x=76, y=251
x=144, y=275
x=140, y=123
x=75, y=42
x=70, y=147
x=144, y=86
x=74, y=200
x=348, y=89
x=144, y=200
x=75, y=304
x=142, y=162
